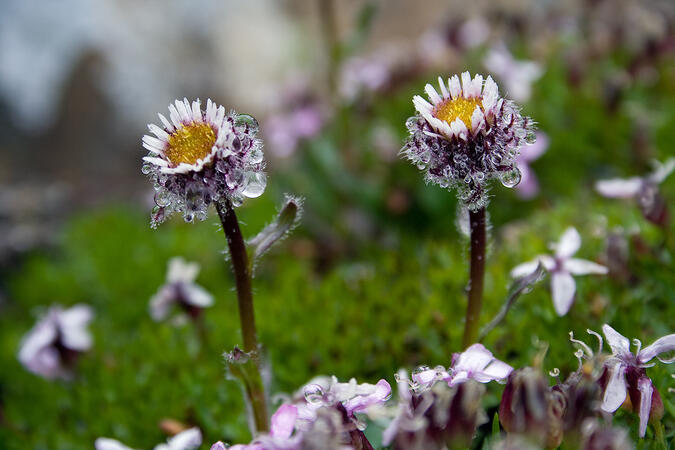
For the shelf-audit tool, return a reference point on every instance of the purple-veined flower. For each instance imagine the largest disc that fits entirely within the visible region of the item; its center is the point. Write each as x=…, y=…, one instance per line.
x=643, y=189
x=201, y=157
x=180, y=289
x=466, y=136
x=627, y=376
x=529, y=186
x=51, y=347
x=434, y=415
x=185, y=440
x=562, y=266
x=517, y=76
x=475, y=363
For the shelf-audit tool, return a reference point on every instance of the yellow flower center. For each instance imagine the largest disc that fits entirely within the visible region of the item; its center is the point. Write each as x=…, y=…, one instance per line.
x=190, y=143
x=460, y=107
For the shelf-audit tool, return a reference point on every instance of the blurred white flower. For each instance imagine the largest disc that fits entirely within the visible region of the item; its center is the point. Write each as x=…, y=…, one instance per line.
x=562, y=266
x=53, y=344
x=189, y=439
x=180, y=289
x=517, y=77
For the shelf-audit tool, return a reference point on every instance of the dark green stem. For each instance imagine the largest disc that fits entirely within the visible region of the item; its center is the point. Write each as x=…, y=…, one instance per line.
x=254, y=388
x=476, y=275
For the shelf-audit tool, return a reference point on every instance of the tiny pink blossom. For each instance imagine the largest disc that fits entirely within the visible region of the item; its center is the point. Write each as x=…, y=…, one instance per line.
x=561, y=267
x=517, y=76
x=50, y=347
x=180, y=289
x=627, y=373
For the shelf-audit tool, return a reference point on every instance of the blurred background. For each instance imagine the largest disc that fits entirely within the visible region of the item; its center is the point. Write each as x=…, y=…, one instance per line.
x=373, y=279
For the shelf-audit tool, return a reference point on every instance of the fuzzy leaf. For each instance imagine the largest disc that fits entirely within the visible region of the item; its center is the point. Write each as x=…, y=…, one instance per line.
x=288, y=218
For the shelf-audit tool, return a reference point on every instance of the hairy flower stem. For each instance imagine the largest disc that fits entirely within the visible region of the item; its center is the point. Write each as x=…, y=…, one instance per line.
x=476, y=275
x=242, y=272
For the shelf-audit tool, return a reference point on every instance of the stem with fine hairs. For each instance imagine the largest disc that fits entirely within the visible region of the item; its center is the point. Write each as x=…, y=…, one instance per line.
x=476, y=275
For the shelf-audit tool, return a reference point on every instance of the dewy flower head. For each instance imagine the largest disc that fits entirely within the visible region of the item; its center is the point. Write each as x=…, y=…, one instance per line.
x=202, y=157
x=466, y=136
x=50, y=348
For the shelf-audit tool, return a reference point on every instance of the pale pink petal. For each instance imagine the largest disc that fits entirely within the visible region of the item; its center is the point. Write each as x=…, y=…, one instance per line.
x=619, y=187
x=422, y=106
x=424, y=377
x=662, y=345
x=379, y=394
x=569, y=243
x=583, y=267
x=197, y=296
x=615, y=392
x=530, y=152
x=220, y=446
x=646, y=389
x=662, y=171
x=474, y=358
x=283, y=421
x=528, y=186
x=444, y=90
x=563, y=288
x=466, y=84
x=620, y=344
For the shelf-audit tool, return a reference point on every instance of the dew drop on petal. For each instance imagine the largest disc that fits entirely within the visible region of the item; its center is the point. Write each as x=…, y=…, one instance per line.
x=255, y=184
x=255, y=156
x=245, y=119
x=313, y=394
x=510, y=178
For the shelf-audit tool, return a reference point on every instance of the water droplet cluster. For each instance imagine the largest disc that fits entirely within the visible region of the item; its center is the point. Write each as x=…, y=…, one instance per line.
x=468, y=164
x=234, y=173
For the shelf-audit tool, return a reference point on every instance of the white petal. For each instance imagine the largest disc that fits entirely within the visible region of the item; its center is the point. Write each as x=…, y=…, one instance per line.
x=174, y=116
x=220, y=115
x=459, y=128
x=433, y=95
x=162, y=135
x=498, y=370
x=662, y=345
x=156, y=161
x=569, y=243
x=646, y=389
x=444, y=90
x=41, y=336
x=166, y=123
x=615, y=392
x=181, y=271
x=583, y=267
x=183, y=110
x=210, y=111
x=620, y=344
x=73, y=327
x=477, y=120
x=662, y=171
x=563, y=288
x=197, y=296
x=109, y=444
x=161, y=302
x=474, y=358
x=466, y=83
x=490, y=95
x=186, y=440
x=153, y=143
x=196, y=111
x=527, y=268
x=454, y=86
x=476, y=85
x=422, y=106
x=619, y=187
